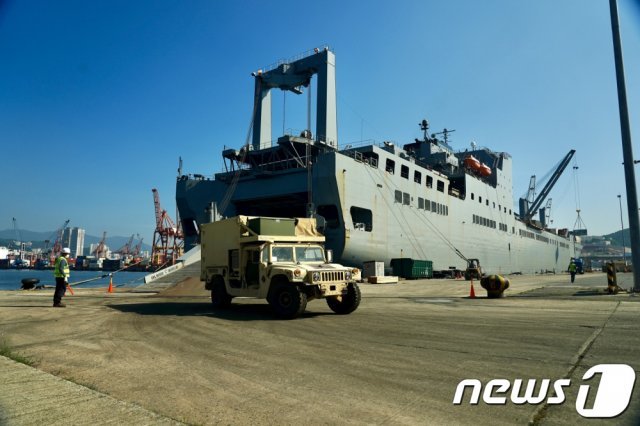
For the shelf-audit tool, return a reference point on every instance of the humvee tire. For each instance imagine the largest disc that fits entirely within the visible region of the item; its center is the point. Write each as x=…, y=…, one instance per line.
x=219, y=296
x=347, y=303
x=287, y=300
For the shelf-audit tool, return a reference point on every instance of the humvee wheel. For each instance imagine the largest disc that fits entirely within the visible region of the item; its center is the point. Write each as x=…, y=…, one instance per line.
x=219, y=296
x=346, y=303
x=287, y=300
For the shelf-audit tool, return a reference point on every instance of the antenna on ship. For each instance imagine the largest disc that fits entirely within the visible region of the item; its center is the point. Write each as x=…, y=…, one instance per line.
x=445, y=132
x=424, y=126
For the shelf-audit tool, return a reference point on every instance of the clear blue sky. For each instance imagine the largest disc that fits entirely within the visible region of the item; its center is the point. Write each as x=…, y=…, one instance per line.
x=98, y=99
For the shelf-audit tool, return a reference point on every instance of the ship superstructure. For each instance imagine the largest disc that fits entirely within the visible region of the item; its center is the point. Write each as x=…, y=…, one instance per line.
x=376, y=201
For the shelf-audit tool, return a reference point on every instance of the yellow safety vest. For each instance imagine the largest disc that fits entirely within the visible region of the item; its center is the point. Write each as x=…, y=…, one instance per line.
x=61, y=272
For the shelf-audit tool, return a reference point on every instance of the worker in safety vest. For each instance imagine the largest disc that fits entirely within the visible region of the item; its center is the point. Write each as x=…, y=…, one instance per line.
x=572, y=270
x=61, y=273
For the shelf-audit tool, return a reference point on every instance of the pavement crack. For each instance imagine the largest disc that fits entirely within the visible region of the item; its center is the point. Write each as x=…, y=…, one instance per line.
x=541, y=411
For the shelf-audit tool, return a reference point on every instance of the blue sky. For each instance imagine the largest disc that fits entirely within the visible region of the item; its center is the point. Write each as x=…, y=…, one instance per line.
x=99, y=99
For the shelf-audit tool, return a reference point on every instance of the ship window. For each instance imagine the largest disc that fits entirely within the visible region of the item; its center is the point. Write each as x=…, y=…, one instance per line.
x=446, y=210
x=406, y=199
x=433, y=206
x=505, y=209
x=427, y=205
x=398, y=196
x=429, y=182
x=440, y=186
x=472, y=196
x=371, y=158
x=420, y=203
x=362, y=218
x=494, y=205
x=330, y=214
x=486, y=202
x=509, y=211
x=404, y=172
x=480, y=199
x=391, y=166
x=417, y=177
x=513, y=228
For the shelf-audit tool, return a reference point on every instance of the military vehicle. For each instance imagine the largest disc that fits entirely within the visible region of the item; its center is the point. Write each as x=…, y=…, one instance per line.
x=281, y=260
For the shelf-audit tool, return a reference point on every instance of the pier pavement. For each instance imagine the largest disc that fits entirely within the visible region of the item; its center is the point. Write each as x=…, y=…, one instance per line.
x=156, y=358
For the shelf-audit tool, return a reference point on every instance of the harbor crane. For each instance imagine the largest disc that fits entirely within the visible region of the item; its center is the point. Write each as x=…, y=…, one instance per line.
x=56, y=248
x=137, y=248
x=101, y=251
x=168, y=239
x=126, y=249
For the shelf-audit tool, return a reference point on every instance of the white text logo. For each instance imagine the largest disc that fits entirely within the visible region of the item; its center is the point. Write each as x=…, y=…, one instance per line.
x=612, y=395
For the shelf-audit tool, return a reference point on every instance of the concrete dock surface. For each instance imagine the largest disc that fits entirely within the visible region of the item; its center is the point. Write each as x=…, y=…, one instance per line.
x=169, y=357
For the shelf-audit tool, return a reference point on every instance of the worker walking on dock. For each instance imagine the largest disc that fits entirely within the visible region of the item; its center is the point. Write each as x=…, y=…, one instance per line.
x=61, y=273
x=572, y=270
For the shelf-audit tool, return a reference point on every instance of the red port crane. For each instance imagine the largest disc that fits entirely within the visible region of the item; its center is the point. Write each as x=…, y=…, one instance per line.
x=168, y=241
x=57, y=244
x=137, y=248
x=101, y=251
x=126, y=249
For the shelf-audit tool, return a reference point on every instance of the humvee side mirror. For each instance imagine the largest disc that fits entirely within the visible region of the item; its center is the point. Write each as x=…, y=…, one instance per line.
x=329, y=256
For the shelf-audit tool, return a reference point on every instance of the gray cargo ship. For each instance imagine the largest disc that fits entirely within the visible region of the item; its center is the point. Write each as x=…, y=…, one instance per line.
x=378, y=202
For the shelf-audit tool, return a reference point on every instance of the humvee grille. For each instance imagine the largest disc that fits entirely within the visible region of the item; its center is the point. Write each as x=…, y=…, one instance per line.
x=332, y=276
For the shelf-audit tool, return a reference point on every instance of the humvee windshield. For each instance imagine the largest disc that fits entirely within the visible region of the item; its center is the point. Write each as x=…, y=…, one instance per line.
x=302, y=254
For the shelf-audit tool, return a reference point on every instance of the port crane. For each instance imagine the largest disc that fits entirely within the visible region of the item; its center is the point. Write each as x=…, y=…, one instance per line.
x=101, y=251
x=56, y=248
x=126, y=249
x=137, y=248
x=168, y=239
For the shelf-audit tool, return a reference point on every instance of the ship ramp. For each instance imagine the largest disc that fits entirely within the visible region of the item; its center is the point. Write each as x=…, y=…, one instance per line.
x=188, y=266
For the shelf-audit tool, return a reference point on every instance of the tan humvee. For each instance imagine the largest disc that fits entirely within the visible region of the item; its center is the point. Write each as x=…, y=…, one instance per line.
x=282, y=260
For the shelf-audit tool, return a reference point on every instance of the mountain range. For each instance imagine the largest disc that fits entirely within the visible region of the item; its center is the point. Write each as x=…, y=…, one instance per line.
x=7, y=236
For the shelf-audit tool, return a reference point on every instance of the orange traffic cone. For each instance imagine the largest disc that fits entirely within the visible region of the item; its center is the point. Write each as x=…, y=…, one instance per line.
x=110, y=289
x=70, y=289
x=472, y=293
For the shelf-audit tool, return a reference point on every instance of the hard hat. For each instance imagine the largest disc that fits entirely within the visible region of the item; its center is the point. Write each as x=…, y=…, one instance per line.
x=66, y=250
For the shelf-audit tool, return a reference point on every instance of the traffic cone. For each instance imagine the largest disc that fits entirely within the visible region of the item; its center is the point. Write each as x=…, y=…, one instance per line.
x=110, y=289
x=472, y=293
x=70, y=289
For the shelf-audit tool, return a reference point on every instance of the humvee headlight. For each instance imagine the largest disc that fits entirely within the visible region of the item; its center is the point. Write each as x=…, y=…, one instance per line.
x=347, y=275
x=297, y=273
x=315, y=276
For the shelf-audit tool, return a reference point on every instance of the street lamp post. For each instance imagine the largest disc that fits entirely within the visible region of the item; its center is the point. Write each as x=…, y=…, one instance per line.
x=624, y=255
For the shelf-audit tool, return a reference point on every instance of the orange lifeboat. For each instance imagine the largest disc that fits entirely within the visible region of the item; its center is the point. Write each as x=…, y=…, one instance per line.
x=472, y=162
x=485, y=170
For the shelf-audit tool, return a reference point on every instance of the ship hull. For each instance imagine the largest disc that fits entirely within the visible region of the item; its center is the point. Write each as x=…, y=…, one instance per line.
x=374, y=215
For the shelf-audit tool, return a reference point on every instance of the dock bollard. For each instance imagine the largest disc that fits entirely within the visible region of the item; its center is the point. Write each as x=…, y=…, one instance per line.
x=612, y=279
x=495, y=285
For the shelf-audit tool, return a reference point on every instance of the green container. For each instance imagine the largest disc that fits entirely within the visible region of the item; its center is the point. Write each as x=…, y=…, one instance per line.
x=273, y=226
x=412, y=269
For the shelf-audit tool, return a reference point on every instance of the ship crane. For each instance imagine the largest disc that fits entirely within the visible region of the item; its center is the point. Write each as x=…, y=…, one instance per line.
x=528, y=210
x=168, y=240
x=100, y=250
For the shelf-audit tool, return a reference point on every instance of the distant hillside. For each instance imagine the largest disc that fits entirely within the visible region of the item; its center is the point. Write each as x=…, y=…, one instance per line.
x=616, y=237
x=7, y=236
